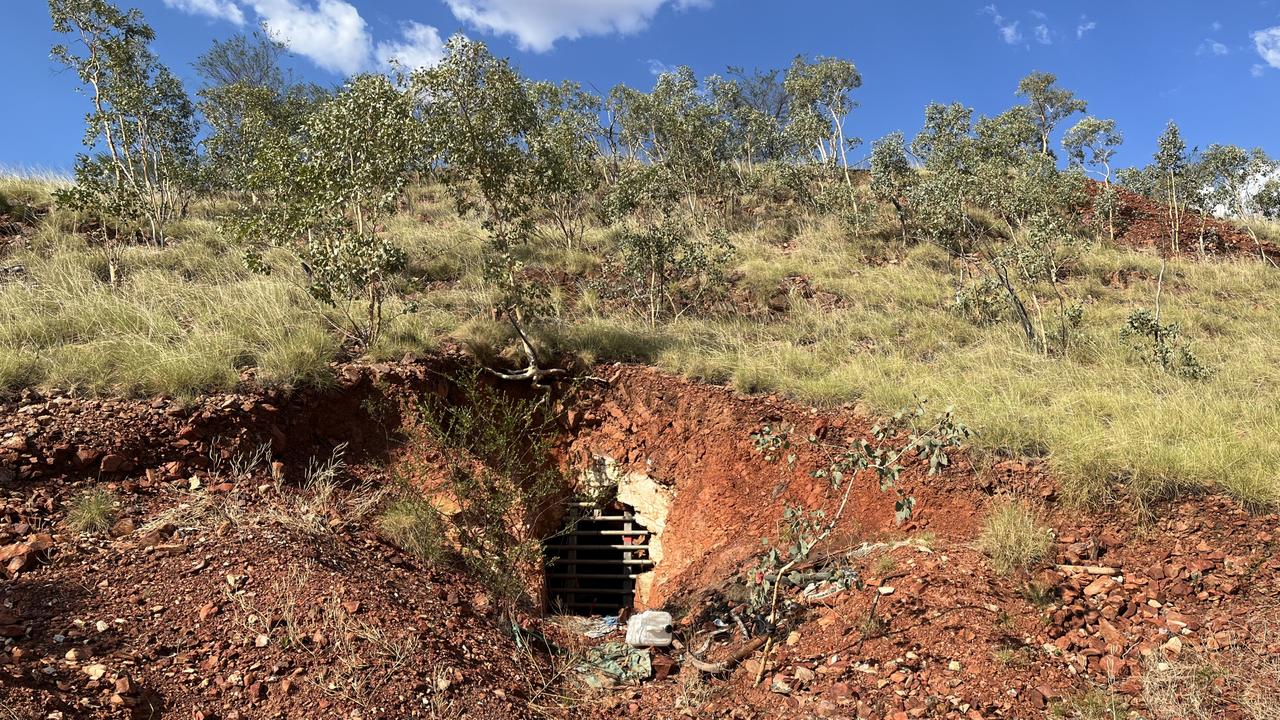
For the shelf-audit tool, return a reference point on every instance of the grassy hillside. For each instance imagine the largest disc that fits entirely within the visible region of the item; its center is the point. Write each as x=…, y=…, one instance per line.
x=880, y=327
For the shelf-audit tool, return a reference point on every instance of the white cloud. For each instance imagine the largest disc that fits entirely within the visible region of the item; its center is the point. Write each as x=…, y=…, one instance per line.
x=657, y=67
x=216, y=9
x=1043, y=36
x=420, y=46
x=1212, y=47
x=1267, y=43
x=538, y=24
x=1085, y=26
x=1216, y=26
x=331, y=33
x=1008, y=29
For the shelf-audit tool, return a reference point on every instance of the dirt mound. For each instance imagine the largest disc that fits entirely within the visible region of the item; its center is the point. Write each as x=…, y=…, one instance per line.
x=1144, y=223
x=231, y=584
x=239, y=603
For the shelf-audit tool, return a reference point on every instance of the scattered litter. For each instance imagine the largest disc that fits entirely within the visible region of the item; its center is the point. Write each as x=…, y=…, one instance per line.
x=600, y=626
x=615, y=663
x=592, y=626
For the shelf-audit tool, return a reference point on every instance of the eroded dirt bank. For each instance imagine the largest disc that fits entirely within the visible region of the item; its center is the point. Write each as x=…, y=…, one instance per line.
x=229, y=588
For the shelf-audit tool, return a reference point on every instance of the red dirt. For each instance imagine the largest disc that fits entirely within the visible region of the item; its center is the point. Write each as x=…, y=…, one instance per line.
x=1145, y=224
x=953, y=638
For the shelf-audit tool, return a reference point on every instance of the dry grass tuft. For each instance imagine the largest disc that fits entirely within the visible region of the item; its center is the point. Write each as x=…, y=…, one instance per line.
x=414, y=526
x=1201, y=685
x=93, y=511
x=1014, y=538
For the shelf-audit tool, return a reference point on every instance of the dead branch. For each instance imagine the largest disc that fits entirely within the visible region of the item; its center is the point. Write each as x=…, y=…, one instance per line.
x=533, y=371
x=725, y=665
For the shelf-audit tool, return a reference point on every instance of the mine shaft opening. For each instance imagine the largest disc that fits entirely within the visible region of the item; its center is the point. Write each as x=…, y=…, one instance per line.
x=594, y=563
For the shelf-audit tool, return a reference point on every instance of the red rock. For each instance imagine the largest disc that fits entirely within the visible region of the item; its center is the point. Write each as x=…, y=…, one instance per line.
x=112, y=463
x=17, y=442
x=1102, y=585
x=122, y=527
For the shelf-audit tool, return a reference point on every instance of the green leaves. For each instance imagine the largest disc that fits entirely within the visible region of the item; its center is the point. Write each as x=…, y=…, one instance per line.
x=1161, y=344
x=142, y=126
x=319, y=187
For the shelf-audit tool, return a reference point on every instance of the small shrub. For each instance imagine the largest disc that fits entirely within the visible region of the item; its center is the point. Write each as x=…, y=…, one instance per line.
x=1014, y=538
x=1161, y=344
x=93, y=511
x=496, y=468
x=982, y=302
x=414, y=526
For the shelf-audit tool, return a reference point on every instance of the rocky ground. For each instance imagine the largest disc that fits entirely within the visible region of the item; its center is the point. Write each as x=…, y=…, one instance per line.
x=236, y=581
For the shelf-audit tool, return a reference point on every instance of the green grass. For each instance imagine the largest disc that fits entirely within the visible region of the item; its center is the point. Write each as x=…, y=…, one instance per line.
x=180, y=320
x=188, y=318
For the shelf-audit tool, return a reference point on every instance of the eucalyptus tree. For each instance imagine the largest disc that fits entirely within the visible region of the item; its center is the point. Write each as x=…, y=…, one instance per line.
x=141, y=129
x=820, y=97
x=892, y=176
x=324, y=189
x=482, y=118
x=950, y=186
x=1232, y=177
x=757, y=107
x=994, y=170
x=481, y=115
x=1171, y=168
x=243, y=77
x=564, y=155
x=682, y=133
x=1049, y=104
x=1090, y=145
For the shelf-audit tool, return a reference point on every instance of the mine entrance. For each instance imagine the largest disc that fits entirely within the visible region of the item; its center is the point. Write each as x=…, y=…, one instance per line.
x=594, y=563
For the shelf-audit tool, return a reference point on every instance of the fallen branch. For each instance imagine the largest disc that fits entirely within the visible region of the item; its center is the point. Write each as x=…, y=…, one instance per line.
x=533, y=371
x=1088, y=569
x=725, y=665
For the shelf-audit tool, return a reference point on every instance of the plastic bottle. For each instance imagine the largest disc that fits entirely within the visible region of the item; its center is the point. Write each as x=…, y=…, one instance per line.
x=651, y=628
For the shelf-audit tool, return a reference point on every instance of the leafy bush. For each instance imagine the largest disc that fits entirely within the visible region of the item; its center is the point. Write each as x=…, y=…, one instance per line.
x=498, y=472
x=1161, y=344
x=670, y=270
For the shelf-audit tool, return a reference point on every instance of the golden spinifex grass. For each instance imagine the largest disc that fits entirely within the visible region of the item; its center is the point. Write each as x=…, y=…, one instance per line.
x=187, y=318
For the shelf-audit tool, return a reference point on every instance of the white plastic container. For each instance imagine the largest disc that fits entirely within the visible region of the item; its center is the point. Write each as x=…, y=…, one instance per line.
x=651, y=628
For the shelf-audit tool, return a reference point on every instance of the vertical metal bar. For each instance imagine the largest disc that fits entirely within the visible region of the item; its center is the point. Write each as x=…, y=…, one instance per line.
x=628, y=585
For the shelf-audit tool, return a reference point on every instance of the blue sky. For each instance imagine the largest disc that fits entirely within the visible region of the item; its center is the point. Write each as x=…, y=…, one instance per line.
x=1214, y=67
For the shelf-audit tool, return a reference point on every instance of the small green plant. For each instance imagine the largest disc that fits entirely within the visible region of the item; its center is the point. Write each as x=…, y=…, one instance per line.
x=800, y=531
x=1014, y=538
x=414, y=526
x=497, y=470
x=772, y=439
x=904, y=435
x=92, y=511
x=1161, y=344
